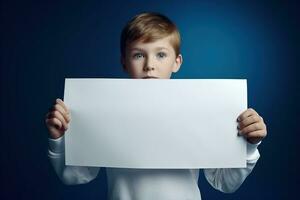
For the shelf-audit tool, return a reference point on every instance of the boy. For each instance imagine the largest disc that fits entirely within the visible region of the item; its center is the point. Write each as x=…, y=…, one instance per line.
x=150, y=48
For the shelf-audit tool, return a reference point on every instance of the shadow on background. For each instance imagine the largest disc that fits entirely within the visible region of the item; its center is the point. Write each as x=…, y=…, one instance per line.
x=43, y=42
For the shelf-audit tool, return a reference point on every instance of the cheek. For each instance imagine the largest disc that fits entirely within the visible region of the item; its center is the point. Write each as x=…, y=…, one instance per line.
x=134, y=68
x=167, y=65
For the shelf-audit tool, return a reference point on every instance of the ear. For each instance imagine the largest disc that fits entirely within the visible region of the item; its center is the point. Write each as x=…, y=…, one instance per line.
x=177, y=64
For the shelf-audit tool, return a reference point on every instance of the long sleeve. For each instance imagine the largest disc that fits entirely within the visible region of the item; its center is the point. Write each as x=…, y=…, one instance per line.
x=69, y=175
x=228, y=180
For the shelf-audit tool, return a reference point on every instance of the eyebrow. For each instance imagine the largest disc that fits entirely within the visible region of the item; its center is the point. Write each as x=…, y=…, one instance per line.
x=157, y=49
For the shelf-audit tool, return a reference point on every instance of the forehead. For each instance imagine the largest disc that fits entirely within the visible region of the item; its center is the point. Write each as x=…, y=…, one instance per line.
x=163, y=43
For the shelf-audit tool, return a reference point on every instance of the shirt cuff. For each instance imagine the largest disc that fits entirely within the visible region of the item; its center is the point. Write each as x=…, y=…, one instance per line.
x=57, y=145
x=252, y=152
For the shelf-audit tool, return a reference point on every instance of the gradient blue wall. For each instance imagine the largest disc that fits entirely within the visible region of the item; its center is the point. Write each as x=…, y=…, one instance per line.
x=42, y=42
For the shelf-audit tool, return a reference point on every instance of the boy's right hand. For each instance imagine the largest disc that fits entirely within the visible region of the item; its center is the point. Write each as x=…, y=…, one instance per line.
x=57, y=119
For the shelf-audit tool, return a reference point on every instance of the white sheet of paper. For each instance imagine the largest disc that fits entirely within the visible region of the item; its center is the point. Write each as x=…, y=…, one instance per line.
x=155, y=123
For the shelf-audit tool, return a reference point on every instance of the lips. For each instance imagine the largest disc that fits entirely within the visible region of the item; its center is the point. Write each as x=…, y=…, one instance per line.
x=148, y=77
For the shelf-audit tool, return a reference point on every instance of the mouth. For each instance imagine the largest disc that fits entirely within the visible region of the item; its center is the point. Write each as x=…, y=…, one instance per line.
x=148, y=77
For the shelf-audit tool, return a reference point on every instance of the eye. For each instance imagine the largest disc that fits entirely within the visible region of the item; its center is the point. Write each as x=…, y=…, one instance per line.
x=161, y=55
x=138, y=55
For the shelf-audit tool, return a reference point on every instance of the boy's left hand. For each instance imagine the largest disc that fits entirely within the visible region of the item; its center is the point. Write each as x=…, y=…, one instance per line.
x=252, y=126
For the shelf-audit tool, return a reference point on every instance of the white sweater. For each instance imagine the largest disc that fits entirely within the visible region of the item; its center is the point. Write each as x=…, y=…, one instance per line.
x=158, y=184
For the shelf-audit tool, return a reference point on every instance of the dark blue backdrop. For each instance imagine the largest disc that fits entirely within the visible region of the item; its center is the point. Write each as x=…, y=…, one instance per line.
x=42, y=42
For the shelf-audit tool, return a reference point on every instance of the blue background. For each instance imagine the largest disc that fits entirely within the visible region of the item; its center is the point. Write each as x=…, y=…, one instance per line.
x=42, y=42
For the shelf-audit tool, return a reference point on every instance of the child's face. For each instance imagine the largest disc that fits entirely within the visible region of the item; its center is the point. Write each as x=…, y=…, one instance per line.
x=151, y=60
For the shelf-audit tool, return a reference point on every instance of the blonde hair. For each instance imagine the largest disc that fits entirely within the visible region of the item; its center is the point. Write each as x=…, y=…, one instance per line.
x=149, y=27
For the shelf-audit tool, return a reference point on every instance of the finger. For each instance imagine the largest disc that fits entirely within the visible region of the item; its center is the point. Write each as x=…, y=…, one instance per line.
x=261, y=118
x=58, y=115
x=249, y=120
x=60, y=109
x=251, y=128
x=246, y=114
x=55, y=133
x=257, y=134
x=59, y=101
x=53, y=122
x=254, y=140
x=51, y=109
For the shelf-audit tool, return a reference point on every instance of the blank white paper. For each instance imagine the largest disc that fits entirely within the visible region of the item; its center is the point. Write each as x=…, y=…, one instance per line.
x=155, y=123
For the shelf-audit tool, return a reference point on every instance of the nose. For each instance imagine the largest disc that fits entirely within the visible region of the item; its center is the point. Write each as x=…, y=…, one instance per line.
x=149, y=66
